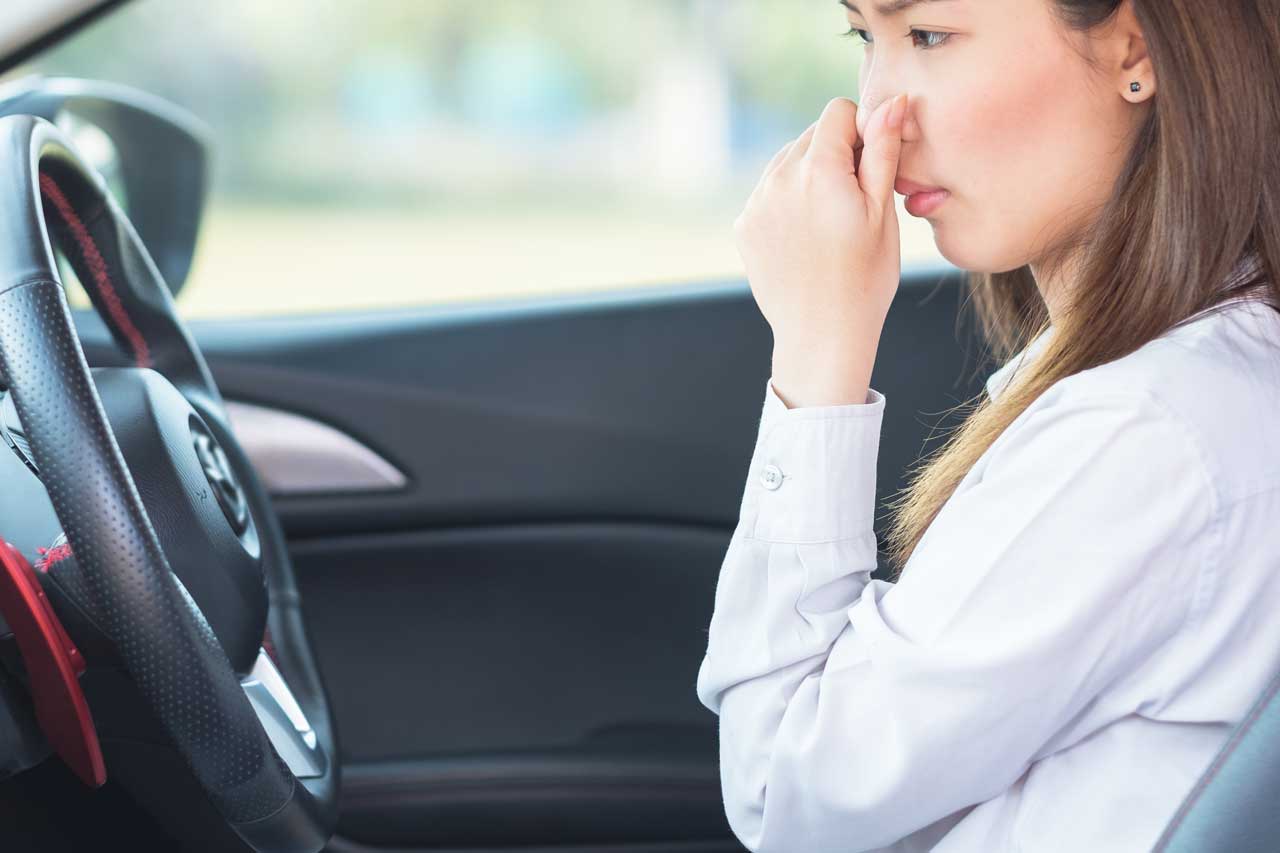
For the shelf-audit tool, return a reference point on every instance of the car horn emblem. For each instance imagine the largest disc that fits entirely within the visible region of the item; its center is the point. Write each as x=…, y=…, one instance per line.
x=217, y=470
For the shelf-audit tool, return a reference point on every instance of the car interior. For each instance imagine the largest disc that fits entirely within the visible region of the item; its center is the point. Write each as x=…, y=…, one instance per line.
x=430, y=578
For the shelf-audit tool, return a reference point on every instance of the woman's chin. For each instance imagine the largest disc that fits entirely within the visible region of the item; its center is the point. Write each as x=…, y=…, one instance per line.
x=959, y=251
x=968, y=251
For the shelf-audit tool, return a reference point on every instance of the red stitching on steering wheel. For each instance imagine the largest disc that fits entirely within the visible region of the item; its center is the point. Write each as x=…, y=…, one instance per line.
x=98, y=267
x=49, y=556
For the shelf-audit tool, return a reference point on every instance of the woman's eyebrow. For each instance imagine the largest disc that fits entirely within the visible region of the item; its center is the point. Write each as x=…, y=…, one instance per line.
x=891, y=8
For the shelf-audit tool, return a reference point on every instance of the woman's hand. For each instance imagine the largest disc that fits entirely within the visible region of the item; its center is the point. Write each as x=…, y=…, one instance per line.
x=819, y=238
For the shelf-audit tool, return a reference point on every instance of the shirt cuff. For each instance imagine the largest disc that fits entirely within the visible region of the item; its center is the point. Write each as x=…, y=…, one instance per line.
x=773, y=403
x=813, y=471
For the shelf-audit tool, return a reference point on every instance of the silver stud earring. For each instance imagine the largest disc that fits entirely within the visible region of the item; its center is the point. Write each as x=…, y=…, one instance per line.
x=1135, y=86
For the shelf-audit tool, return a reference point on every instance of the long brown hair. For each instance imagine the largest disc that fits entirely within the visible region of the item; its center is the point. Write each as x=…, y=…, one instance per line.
x=1194, y=220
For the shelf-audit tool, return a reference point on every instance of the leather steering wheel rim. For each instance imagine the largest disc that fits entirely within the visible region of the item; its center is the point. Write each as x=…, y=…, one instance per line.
x=125, y=584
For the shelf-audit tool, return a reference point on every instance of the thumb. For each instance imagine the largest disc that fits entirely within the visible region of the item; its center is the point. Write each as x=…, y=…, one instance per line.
x=879, y=166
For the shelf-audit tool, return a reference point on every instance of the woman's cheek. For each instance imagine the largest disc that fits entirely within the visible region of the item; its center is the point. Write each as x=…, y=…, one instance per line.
x=1010, y=148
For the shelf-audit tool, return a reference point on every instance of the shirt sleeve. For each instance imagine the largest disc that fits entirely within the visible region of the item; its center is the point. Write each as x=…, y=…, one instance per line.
x=855, y=713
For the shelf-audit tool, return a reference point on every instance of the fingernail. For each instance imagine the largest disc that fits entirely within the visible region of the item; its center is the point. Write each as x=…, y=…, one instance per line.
x=897, y=113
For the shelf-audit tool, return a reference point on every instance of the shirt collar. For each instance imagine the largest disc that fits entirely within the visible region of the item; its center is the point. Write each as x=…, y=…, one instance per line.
x=1000, y=379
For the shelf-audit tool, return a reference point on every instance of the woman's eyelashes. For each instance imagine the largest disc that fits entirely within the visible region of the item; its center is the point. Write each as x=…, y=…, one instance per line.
x=931, y=38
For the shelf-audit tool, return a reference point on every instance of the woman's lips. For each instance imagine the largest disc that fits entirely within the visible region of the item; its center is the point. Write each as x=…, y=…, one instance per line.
x=922, y=199
x=923, y=204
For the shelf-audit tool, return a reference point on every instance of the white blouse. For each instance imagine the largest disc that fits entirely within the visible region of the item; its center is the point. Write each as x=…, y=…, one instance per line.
x=1074, y=637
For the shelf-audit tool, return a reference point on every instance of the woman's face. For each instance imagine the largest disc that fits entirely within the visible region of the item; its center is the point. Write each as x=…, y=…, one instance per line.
x=1006, y=114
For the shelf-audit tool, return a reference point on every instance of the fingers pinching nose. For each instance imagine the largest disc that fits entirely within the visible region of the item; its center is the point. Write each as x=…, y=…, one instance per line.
x=895, y=111
x=836, y=129
x=879, y=162
x=910, y=125
x=802, y=142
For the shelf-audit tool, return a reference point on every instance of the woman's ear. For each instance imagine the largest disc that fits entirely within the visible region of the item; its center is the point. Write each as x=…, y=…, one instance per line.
x=1134, y=75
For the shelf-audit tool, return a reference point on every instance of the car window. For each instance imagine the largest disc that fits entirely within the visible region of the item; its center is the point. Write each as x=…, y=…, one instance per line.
x=399, y=152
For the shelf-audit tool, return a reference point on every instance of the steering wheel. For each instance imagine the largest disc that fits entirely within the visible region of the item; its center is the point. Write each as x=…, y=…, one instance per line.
x=174, y=566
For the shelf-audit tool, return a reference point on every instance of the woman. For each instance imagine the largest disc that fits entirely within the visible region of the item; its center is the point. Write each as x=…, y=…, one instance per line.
x=1090, y=568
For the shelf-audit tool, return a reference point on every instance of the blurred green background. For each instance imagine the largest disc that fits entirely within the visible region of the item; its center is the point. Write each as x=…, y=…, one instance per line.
x=396, y=152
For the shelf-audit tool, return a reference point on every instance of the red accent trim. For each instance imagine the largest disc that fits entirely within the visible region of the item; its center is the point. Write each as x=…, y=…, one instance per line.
x=98, y=267
x=53, y=668
x=52, y=555
x=269, y=647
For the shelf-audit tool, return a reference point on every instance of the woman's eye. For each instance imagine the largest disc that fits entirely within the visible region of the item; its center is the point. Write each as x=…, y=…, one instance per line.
x=854, y=32
x=928, y=41
x=924, y=39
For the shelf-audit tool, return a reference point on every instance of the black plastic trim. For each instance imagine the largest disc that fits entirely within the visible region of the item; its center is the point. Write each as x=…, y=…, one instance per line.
x=63, y=31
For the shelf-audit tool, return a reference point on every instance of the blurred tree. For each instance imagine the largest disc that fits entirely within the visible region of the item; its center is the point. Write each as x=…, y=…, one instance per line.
x=294, y=90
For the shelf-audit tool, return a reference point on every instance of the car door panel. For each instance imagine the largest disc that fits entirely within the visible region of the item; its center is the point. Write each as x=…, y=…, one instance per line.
x=511, y=639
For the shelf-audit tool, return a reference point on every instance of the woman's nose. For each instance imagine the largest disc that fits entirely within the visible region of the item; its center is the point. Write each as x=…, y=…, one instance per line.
x=866, y=109
x=869, y=104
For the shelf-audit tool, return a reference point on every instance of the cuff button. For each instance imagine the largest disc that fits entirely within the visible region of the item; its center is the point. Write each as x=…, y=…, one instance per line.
x=771, y=477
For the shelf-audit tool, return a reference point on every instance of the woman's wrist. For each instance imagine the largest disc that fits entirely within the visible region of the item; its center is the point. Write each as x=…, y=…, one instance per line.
x=830, y=377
